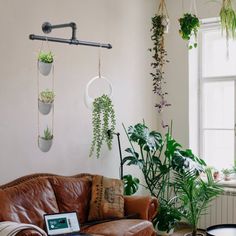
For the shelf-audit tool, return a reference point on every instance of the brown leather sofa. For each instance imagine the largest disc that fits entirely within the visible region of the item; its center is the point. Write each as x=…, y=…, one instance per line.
x=28, y=198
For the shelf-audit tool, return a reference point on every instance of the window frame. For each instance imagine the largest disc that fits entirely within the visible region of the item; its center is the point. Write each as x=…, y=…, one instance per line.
x=207, y=25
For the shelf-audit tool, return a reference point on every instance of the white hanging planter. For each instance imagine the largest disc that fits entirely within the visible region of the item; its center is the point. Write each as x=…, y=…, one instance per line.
x=44, y=145
x=44, y=108
x=166, y=23
x=87, y=99
x=44, y=68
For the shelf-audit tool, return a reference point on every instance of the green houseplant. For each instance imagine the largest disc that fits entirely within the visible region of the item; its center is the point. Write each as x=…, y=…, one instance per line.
x=45, y=101
x=189, y=26
x=103, y=119
x=45, y=142
x=45, y=61
x=159, y=60
x=195, y=193
x=157, y=158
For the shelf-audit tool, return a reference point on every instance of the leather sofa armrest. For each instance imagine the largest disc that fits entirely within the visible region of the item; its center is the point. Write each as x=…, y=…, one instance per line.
x=144, y=206
x=29, y=232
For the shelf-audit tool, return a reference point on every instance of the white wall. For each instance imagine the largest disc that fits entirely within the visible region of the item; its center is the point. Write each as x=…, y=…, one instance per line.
x=177, y=73
x=124, y=24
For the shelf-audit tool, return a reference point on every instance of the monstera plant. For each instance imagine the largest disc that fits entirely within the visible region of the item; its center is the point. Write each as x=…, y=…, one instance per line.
x=158, y=158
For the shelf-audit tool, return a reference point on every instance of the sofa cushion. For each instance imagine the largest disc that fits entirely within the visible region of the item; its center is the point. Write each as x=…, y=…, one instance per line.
x=125, y=227
x=107, y=199
x=30, y=200
x=73, y=194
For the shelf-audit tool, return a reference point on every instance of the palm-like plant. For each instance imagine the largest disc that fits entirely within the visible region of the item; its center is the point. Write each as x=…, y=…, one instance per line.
x=195, y=194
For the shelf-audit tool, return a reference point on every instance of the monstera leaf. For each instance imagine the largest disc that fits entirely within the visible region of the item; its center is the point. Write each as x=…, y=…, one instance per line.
x=131, y=184
x=140, y=134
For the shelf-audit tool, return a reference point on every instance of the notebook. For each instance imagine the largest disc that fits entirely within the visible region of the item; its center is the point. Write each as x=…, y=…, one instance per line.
x=65, y=223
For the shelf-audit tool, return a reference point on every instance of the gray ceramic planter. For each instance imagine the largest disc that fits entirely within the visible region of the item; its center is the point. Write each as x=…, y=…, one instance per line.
x=44, y=145
x=44, y=108
x=44, y=68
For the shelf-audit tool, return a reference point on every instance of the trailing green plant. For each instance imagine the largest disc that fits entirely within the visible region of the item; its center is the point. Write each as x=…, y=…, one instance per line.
x=158, y=158
x=228, y=19
x=45, y=57
x=195, y=194
x=47, y=134
x=103, y=119
x=159, y=60
x=189, y=26
x=47, y=96
x=131, y=184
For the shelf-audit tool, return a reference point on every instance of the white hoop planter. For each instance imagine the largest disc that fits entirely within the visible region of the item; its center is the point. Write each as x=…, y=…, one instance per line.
x=87, y=99
x=44, y=145
x=44, y=108
x=44, y=68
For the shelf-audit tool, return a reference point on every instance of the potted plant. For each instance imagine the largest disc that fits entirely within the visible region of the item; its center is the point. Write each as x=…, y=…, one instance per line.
x=45, y=142
x=45, y=61
x=45, y=101
x=159, y=60
x=228, y=19
x=103, y=119
x=226, y=172
x=157, y=158
x=195, y=193
x=189, y=26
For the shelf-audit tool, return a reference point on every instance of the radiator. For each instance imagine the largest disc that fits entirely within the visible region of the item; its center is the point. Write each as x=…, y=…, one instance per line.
x=222, y=210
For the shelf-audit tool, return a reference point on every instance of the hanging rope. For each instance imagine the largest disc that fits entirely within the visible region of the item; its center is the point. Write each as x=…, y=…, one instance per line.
x=193, y=7
x=162, y=9
x=38, y=89
x=99, y=62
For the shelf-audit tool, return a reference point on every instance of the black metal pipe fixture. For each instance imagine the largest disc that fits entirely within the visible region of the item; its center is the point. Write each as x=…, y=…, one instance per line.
x=110, y=133
x=47, y=28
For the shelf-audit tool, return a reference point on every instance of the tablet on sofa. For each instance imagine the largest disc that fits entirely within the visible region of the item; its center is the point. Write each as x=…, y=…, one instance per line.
x=65, y=223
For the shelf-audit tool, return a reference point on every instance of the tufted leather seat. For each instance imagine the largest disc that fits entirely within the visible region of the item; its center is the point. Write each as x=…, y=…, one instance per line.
x=28, y=198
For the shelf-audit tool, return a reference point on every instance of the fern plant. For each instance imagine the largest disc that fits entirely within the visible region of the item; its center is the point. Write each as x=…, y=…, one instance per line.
x=228, y=19
x=103, y=119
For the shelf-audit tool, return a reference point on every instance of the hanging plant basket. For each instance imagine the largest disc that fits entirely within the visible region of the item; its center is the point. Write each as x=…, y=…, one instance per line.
x=45, y=101
x=189, y=26
x=44, y=145
x=45, y=142
x=44, y=108
x=103, y=120
x=45, y=61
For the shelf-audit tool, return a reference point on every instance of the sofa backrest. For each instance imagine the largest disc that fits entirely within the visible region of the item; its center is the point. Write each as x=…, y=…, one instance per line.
x=28, y=198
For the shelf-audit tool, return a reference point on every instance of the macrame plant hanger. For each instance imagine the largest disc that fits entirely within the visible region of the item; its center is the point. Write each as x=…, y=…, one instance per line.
x=87, y=99
x=44, y=144
x=162, y=10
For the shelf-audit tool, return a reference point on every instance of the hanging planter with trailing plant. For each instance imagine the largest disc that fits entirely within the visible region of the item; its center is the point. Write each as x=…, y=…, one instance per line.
x=45, y=142
x=45, y=61
x=189, y=26
x=159, y=60
x=228, y=21
x=45, y=101
x=103, y=119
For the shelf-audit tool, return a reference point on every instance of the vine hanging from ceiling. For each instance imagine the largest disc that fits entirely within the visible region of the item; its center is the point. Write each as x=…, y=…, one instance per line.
x=160, y=23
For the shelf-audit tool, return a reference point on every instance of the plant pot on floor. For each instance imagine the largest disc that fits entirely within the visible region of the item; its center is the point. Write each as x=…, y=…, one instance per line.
x=164, y=233
x=44, y=145
x=44, y=68
x=44, y=107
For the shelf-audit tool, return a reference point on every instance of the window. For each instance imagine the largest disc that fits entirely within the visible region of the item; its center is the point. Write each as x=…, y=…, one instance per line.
x=216, y=97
